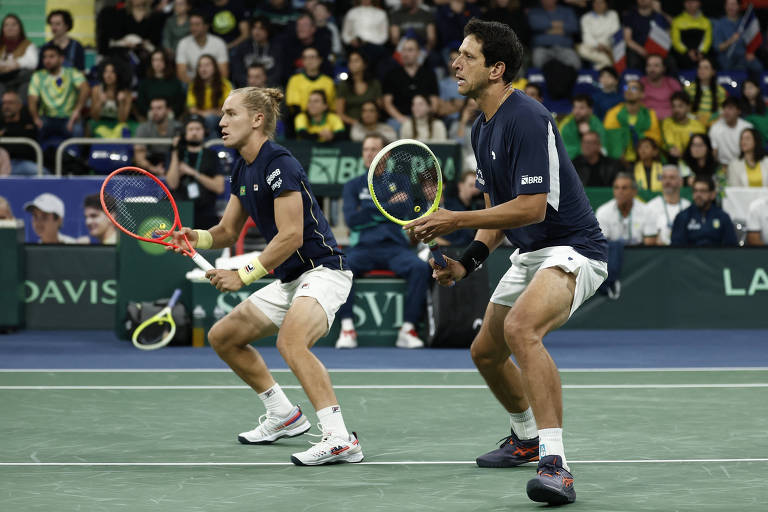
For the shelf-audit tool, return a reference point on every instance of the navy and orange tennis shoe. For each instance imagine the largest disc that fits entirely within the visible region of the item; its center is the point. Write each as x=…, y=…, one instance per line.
x=272, y=428
x=511, y=452
x=553, y=483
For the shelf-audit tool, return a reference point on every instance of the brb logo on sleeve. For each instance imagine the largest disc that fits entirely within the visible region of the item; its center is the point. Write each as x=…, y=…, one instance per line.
x=272, y=182
x=531, y=180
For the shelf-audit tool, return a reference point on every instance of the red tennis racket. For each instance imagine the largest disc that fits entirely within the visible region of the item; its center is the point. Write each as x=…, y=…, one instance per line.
x=141, y=206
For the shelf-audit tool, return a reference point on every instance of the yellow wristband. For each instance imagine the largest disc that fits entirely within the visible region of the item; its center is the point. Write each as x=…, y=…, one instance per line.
x=252, y=271
x=204, y=239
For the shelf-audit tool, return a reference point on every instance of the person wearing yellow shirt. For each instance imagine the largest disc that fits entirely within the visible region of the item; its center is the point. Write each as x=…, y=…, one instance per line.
x=751, y=169
x=676, y=130
x=691, y=34
x=628, y=122
x=207, y=93
x=706, y=95
x=310, y=79
x=318, y=123
x=648, y=167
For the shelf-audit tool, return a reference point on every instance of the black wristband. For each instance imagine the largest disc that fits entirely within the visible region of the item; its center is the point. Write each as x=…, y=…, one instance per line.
x=474, y=256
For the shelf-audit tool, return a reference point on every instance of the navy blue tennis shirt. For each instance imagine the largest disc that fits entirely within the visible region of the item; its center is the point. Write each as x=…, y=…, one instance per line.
x=258, y=184
x=520, y=151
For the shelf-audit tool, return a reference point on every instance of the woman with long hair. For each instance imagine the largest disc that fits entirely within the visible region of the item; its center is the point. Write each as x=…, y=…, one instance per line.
x=18, y=56
x=699, y=159
x=160, y=82
x=751, y=169
x=706, y=95
x=423, y=125
x=111, y=98
x=753, y=106
x=207, y=92
x=176, y=25
x=358, y=88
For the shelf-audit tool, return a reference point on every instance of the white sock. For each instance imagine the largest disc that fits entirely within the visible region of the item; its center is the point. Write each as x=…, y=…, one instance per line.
x=276, y=402
x=523, y=424
x=347, y=324
x=407, y=327
x=332, y=421
x=551, y=443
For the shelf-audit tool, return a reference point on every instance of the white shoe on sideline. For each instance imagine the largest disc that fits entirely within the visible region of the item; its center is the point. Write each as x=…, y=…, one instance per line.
x=331, y=449
x=347, y=339
x=408, y=339
x=272, y=428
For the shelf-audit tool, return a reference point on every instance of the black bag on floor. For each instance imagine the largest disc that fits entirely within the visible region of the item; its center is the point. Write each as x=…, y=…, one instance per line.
x=456, y=313
x=137, y=312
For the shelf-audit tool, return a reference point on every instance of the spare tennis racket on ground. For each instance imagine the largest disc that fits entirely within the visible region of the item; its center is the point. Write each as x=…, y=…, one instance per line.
x=158, y=330
x=141, y=206
x=406, y=183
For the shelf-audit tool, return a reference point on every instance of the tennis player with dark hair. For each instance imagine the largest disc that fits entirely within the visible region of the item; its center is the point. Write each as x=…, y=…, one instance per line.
x=313, y=280
x=534, y=197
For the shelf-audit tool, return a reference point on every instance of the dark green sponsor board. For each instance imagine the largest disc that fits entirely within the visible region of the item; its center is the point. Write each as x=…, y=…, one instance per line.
x=11, y=276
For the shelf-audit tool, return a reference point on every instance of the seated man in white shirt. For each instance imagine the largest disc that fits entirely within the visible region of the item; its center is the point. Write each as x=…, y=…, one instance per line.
x=757, y=222
x=661, y=210
x=726, y=132
x=199, y=42
x=623, y=218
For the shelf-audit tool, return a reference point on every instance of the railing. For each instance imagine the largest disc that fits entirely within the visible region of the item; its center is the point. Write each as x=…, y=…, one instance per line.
x=102, y=142
x=29, y=142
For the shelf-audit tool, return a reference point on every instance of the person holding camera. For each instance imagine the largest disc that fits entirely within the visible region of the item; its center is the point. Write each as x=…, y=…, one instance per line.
x=194, y=175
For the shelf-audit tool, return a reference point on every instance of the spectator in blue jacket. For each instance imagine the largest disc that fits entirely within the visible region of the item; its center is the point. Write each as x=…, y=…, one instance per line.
x=728, y=44
x=703, y=224
x=553, y=29
x=377, y=243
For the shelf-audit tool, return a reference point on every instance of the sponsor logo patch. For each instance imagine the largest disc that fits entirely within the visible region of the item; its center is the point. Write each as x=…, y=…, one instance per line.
x=531, y=180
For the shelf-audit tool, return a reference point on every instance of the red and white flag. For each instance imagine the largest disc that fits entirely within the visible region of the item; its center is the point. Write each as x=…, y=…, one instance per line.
x=751, y=34
x=658, y=41
x=619, y=51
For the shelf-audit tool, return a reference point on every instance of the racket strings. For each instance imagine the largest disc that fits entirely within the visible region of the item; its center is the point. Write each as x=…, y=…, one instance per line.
x=406, y=182
x=154, y=333
x=139, y=204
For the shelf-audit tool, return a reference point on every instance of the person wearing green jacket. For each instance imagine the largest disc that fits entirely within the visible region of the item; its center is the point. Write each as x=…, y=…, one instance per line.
x=580, y=121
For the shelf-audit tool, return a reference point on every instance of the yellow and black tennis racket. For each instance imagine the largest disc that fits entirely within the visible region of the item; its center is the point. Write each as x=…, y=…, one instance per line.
x=157, y=331
x=406, y=183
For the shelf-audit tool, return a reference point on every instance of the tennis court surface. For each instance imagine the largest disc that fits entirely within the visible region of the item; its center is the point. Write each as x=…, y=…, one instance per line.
x=109, y=434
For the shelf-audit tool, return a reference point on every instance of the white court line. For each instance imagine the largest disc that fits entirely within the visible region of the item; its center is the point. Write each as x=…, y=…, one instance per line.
x=373, y=463
x=384, y=370
x=388, y=386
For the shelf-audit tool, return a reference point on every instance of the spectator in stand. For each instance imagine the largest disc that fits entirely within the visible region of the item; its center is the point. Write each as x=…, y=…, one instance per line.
x=676, y=130
x=280, y=13
x=160, y=82
x=257, y=75
x=176, y=25
x=623, y=218
x=553, y=27
x=699, y=158
x=305, y=34
x=16, y=122
x=647, y=169
x=608, y=96
x=628, y=122
x=207, y=93
x=757, y=222
x=111, y=97
x=199, y=42
x=228, y=21
x=580, y=121
x=6, y=213
x=194, y=174
x=61, y=23
x=366, y=28
x=691, y=35
x=309, y=79
x=137, y=31
x=47, y=212
x=663, y=208
x=358, y=88
x=96, y=221
x=55, y=99
x=423, y=125
x=703, y=224
x=18, y=56
x=706, y=95
x=468, y=197
x=406, y=81
x=159, y=124
x=375, y=242
x=257, y=50
x=317, y=123
x=321, y=12
x=413, y=19
x=369, y=124
x=450, y=19
x=597, y=29
x=753, y=106
x=534, y=91
x=594, y=168
x=725, y=134
x=729, y=47
x=659, y=87
x=509, y=12
x=751, y=169
x=451, y=102
x=637, y=26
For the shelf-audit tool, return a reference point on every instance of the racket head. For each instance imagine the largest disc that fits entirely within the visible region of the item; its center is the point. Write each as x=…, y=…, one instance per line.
x=405, y=181
x=141, y=206
x=155, y=332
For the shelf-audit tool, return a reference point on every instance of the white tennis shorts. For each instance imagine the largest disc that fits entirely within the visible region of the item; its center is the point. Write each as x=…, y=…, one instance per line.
x=328, y=287
x=589, y=273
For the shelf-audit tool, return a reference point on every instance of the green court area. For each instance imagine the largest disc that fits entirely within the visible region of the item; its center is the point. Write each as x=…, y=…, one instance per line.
x=166, y=440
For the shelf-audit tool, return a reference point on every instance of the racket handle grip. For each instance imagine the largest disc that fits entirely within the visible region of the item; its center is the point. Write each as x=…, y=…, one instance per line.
x=201, y=262
x=174, y=298
x=437, y=255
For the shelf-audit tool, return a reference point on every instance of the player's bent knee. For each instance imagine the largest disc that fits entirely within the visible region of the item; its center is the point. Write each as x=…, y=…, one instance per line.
x=485, y=353
x=519, y=333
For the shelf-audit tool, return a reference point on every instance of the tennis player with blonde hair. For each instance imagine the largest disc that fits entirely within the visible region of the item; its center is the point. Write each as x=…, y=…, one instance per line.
x=313, y=280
